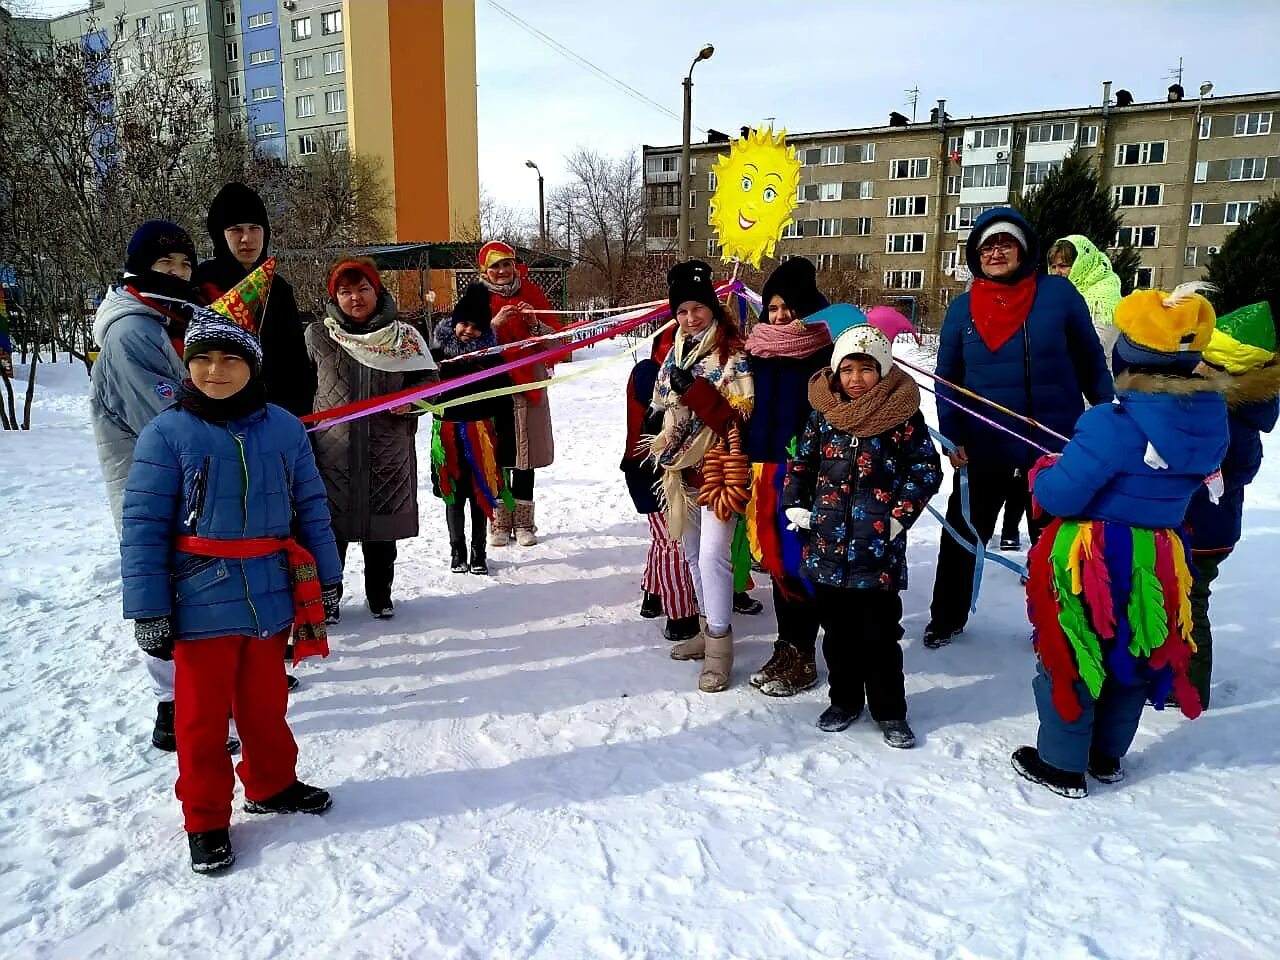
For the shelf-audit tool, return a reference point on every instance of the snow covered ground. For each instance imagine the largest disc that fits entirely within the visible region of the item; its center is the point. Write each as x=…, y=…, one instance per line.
x=520, y=771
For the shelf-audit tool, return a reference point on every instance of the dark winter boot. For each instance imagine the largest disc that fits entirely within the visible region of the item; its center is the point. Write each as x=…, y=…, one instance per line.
x=458, y=556
x=745, y=603
x=382, y=611
x=291, y=683
x=651, y=606
x=298, y=797
x=898, y=733
x=162, y=735
x=834, y=718
x=211, y=850
x=1027, y=761
x=1010, y=542
x=1105, y=769
x=781, y=650
x=679, y=629
x=798, y=672
x=936, y=636
x=479, y=565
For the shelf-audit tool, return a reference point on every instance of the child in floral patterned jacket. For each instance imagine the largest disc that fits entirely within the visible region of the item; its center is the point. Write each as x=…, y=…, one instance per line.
x=863, y=472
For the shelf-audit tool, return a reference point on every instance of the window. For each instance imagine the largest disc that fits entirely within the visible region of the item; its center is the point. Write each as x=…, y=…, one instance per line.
x=228, y=16
x=233, y=51
x=986, y=175
x=828, y=261
x=860, y=226
x=1247, y=168
x=191, y=16
x=908, y=206
x=968, y=213
x=861, y=261
x=1202, y=171
x=331, y=22
x=954, y=145
x=693, y=199
x=301, y=28
x=262, y=56
x=333, y=62
x=260, y=20
x=861, y=153
x=1149, y=195
x=950, y=260
x=1206, y=124
x=903, y=279
x=667, y=164
x=829, y=227
x=167, y=23
x=305, y=106
x=949, y=223
x=1239, y=212
x=1189, y=257
x=1088, y=135
x=693, y=230
x=914, y=169
x=1133, y=154
x=828, y=191
x=1059, y=132
x=866, y=190
x=792, y=230
x=904, y=243
x=1036, y=172
x=953, y=185
x=195, y=51
x=1253, y=124
x=261, y=130
x=664, y=195
x=337, y=139
x=263, y=93
x=233, y=88
x=142, y=26
x=1138, y=237
x=824, y=156
x=301, y=68
x=335, y=101
x=1144, y=278
x=711, y=181
x=306, y=144
x=713, y=247
x=985, y=137
x=1197, y=215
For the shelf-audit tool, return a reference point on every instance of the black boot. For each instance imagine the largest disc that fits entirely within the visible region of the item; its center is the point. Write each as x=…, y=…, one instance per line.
x=651, y=606
x=458, y=556
x=679, y=629
x=298, y=797
x=162, y=735
x=898, y=733
x=211, y=850
x=835, y=719
x=479, y=565
x=1028, y=763
x=745, y=603
x=1105, y=769
x=936, y=636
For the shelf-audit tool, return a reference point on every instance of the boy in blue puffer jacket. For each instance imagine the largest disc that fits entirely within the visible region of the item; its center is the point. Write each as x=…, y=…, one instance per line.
x=215, y=580
x=1110, y=578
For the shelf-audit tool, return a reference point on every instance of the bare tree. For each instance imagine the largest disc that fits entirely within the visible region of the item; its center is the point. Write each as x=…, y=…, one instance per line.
x=605, y=201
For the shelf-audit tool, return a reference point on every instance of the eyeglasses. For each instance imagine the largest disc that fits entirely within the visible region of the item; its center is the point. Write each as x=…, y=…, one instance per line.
x=1001, y=246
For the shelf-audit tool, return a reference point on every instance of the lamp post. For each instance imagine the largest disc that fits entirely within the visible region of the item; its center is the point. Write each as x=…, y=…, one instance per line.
x=542, y=206
x=703, y=54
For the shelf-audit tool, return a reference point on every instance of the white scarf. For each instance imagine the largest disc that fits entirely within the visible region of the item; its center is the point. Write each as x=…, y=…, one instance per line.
x=395, y=347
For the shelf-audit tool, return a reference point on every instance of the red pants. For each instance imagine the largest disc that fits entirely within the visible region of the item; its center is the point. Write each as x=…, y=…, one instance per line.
x=216, y=678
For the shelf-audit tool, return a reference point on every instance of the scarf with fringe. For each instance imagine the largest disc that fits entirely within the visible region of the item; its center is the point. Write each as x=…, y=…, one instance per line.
x=385, y=343
x=890, y=403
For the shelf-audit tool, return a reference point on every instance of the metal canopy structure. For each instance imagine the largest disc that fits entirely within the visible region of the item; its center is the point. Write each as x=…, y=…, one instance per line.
x=429, y=256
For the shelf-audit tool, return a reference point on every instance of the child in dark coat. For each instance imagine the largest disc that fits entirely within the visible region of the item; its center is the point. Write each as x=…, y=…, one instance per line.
x=216, y=580
x=470, y=440
x=1109, y=586
x=862, y=474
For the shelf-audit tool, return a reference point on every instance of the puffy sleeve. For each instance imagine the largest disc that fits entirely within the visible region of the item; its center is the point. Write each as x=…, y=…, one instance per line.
x=152, y=498
x=1066, y=487
x=950, y=366
x=919, y=473
x=800, y=484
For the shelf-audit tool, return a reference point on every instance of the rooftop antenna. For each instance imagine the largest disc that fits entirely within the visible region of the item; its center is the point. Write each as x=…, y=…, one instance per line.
x=768, y=122
x=913, y=98
x=1175, y=73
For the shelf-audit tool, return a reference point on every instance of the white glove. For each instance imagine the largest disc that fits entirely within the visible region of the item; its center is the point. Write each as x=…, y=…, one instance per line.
x=896, y=529
x=798, y=517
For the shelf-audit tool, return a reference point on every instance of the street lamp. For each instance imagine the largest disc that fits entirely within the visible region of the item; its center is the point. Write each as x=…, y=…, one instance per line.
x=703, y=54
x=542, y=206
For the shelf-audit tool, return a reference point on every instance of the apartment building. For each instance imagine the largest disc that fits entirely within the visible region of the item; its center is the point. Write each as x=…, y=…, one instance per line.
x=897, y=202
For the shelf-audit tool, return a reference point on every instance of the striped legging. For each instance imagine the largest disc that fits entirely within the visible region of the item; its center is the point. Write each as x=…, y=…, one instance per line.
x=666, y=572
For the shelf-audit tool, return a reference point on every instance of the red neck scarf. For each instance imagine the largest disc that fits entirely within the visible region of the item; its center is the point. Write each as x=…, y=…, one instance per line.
x=999, y=309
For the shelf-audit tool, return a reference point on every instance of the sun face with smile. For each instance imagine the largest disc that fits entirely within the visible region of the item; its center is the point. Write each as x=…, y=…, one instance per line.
x=755, y=193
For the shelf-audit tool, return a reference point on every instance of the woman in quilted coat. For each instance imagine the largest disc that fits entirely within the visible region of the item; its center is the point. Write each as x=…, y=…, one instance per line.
x=362, y=349
x=863, y=472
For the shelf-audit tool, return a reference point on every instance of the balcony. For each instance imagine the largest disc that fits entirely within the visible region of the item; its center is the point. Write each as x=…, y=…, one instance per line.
x=662, y=176
x=660, y=244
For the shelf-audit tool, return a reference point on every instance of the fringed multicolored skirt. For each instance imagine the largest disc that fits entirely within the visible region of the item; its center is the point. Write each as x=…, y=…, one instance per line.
x=778, y=549
x=1106, y=599
x=463, y=451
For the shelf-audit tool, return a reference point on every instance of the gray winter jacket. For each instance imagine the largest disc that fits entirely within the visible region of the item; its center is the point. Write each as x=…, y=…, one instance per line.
x=136, y=376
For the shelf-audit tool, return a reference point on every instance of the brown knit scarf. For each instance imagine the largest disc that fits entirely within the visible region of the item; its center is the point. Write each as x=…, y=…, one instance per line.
x=890, y=403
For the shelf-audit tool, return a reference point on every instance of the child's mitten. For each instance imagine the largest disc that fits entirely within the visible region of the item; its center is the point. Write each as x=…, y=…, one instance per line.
x=155, y=637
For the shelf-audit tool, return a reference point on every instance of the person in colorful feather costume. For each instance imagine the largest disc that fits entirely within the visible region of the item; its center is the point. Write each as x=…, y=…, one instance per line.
x=1110, y=579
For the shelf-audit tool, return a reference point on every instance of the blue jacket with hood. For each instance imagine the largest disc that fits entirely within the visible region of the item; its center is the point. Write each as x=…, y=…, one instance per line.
x=1040, y=372
x=1106, y=472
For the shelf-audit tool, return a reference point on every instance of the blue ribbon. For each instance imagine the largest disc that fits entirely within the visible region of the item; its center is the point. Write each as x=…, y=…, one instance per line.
x=976, y=547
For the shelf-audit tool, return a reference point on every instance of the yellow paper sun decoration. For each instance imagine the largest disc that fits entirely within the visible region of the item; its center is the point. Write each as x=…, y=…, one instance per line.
x=755, y=193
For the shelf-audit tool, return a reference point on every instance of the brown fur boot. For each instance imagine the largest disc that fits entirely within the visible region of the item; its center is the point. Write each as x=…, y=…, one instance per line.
x=500, y=528
x=526, y=532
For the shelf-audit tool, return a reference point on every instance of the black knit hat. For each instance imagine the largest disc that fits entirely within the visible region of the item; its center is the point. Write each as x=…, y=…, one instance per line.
x=691, y=280
x=153, y=240
x=473, y=307
x=236, y=203
x=796, y=282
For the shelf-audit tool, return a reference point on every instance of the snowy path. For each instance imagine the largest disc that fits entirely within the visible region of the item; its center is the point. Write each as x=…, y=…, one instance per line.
x=520, y=771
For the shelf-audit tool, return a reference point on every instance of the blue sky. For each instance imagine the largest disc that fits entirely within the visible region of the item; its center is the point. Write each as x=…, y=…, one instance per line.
x=821, y=64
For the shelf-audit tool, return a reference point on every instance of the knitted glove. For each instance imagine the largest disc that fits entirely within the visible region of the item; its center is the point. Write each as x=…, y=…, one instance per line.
x=798, y=518
x=331, y=596
x=155, y=637
x=681, y=380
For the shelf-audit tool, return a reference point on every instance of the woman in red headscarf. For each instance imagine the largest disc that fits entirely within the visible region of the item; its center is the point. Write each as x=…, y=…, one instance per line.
x=520, y=310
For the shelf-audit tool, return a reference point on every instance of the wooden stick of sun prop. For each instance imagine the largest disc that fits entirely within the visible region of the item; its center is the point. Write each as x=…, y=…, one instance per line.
x=756, y=184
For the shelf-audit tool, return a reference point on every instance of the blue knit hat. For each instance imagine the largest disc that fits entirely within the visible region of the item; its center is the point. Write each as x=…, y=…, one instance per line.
x=210, y=330
x=153, y=240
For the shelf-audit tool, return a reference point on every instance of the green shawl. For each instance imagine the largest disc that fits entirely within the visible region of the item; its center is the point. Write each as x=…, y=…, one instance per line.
x=1093, y=277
